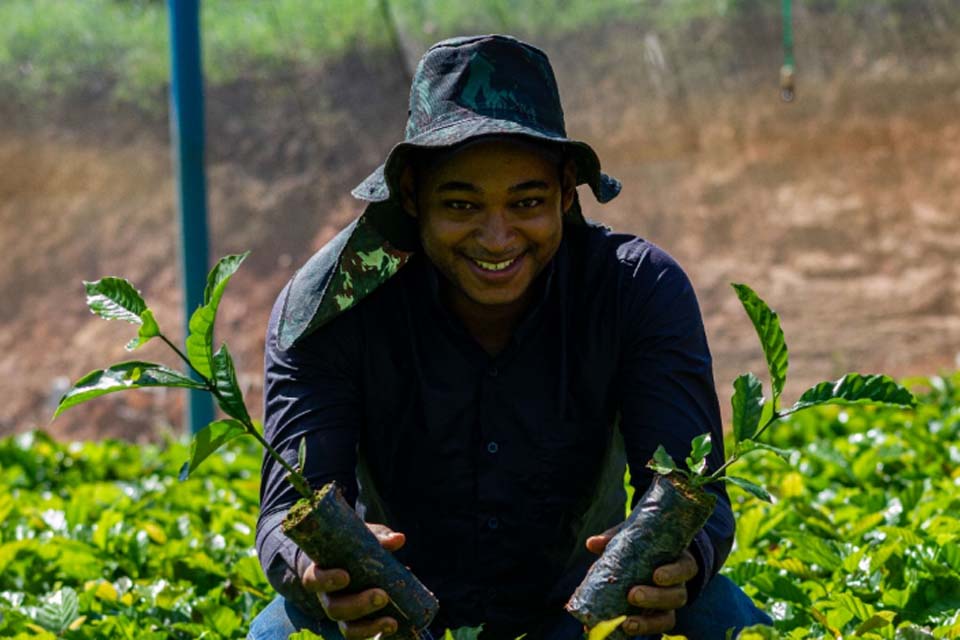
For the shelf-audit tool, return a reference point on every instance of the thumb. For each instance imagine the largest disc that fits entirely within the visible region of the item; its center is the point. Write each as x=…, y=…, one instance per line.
x=389, y=539
x=596, y=544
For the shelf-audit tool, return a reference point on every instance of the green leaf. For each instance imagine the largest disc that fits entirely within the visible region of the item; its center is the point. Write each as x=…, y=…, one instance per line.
x=767, y=324
x=878, y=620
x=662, y=463
x=302, y=454
x=780, y=587
x=148, y=329
x=208, y=440
x=115, y=299
x=750, y=487
x=463, y=633
x=855, y=388
x=58, y=610
x=225, y=380
x=746, y=446
x=119, y=377
x=200, y=340
x=605, y=628
x=700, y=447
x=747, y=404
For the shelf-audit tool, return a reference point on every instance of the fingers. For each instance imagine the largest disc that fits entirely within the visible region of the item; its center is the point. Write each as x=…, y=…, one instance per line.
x=684, y=569
x=389, y=539
x=353, y=606
x=662, y=598
x=596, y=544
x=316, y=580
x=368, y=628
x=654, y=622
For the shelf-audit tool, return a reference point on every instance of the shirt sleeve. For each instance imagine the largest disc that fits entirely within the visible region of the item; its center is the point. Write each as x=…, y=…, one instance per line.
x=310, y=391
x=668, y=395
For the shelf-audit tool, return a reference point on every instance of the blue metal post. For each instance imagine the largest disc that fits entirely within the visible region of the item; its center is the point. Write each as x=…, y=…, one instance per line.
x=187, y=133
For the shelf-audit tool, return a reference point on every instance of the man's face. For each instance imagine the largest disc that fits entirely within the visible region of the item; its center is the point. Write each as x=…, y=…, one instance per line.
x=490, y=217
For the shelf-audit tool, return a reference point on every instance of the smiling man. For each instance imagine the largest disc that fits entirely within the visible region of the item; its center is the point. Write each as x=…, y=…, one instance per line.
x=475, y=363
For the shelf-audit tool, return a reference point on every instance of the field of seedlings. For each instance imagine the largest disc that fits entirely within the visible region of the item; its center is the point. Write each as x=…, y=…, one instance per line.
x=100, y=540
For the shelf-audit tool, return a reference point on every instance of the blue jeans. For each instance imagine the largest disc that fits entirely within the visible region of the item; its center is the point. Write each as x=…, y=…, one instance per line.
x=721, y=606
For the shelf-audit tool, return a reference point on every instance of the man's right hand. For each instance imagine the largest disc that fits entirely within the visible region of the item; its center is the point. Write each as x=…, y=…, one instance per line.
x=352, y=612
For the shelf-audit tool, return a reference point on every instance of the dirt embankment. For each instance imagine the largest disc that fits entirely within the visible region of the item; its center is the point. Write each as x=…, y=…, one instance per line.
x=840, y=209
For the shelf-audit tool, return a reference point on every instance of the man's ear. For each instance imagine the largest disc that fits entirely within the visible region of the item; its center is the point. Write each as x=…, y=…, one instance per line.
x=568, y=185
x=408, y=197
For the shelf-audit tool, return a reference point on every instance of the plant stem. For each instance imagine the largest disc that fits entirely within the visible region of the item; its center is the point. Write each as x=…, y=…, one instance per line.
x=715, y=476
x=295, y=478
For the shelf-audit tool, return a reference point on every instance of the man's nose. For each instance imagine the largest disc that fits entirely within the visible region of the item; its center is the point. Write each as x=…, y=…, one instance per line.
x=497, y=235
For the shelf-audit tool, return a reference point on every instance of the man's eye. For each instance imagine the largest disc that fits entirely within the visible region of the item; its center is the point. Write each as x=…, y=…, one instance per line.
x=529, y=203
x=460, y=205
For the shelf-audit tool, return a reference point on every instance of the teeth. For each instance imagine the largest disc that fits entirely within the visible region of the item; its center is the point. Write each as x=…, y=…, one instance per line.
x=495, y=266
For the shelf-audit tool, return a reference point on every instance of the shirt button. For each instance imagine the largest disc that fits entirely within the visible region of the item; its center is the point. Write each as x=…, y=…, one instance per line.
x=492, y=447
x=493, y=523
x=492, y=372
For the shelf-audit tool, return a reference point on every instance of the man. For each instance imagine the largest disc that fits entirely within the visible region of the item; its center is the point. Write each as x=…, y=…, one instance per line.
x=474, y=363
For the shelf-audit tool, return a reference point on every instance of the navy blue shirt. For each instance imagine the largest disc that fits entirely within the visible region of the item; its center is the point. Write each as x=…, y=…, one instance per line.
x=498, y=468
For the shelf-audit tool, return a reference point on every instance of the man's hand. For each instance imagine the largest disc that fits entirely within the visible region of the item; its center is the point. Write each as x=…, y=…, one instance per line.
x=660, y=601
x=351, y=611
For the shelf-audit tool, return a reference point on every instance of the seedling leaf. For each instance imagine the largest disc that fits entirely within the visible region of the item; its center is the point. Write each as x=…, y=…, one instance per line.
x=662, y=463
x=855, y=388
x=230, y=396
x=746, y=446
x=115, y=299
x=200, y=340
x=463, y=633
x=747, y=404
x=700, y=447
x=750, y=487
x=58, y=610
x=148, y=329
x=302, y=454
x=119, y=377
x=208, y=440
x=767, y=324
x=605, y=628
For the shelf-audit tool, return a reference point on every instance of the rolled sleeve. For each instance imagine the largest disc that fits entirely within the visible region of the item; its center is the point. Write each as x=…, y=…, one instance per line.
x=668, y=394
x=310, y=392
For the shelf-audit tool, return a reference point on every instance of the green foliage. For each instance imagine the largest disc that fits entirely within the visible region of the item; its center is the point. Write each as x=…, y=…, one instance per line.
x=863, y=538
x=767, y=324
x=747, y=405
x=120, y=377
x=98, y=541
x=200, y=340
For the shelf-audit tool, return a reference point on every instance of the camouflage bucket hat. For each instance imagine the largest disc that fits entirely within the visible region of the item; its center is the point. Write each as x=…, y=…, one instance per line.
x=464, y=88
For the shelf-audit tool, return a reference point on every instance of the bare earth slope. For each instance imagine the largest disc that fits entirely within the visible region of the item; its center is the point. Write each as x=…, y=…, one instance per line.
x=842, y=209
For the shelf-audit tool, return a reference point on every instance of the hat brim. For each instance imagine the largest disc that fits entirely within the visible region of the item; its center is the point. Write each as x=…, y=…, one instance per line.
x=380, y=185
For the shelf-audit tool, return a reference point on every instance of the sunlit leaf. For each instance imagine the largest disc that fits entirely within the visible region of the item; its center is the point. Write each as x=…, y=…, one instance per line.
x=208, y=440
x=120, y=377
x=605, y=628
x=747, y=404
x=878, y=620
x=855, y=388
x=767, y=324
x=115, y=299
x=700, y=447
x=200, y=339
x=148, y=329
x=58, y=610
x=746, y=446
x=662, y=463
x=230, y=396
x=750, y=487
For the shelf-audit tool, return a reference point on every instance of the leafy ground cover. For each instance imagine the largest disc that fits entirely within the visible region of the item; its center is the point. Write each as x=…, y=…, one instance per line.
x=99, y=539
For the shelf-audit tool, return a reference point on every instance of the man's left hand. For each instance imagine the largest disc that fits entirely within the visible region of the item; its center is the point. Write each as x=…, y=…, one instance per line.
x=660, y=600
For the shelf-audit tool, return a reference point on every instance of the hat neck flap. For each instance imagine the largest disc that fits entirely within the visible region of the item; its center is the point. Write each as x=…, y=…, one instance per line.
x=367, y=253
